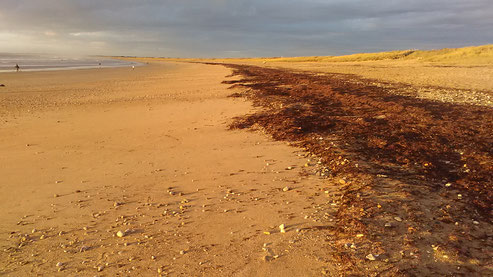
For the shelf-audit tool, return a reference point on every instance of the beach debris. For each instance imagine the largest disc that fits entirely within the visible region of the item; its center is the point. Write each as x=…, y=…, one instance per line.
x=289, y=168
x=459, y=196
x=388, y=224
x=182, y=252
x=59, y=264
x=349, y=245
x=371, y=257
x=475, y=222
x=55, y=195
x=282, y=228
x=285, y=189
x=100, y=268
x=397, y=218
x=120, y=234
x=360, y=235
x=448, y=185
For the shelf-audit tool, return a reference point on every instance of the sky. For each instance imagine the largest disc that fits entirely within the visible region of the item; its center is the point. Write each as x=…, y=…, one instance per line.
x=237, y=28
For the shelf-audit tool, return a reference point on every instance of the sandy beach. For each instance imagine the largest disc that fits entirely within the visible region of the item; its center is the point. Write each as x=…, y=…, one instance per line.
x=196, y=169
x=87, y=154
x=246, y=138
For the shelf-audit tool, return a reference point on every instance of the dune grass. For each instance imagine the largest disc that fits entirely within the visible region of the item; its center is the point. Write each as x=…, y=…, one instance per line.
x=481, y=55
x=473, y=54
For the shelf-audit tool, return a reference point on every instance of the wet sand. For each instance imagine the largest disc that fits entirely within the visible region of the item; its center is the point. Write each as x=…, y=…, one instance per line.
x=85, y=154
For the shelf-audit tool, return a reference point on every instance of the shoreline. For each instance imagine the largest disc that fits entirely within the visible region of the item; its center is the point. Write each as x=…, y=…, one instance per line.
x=69, y=68
x=33, y=67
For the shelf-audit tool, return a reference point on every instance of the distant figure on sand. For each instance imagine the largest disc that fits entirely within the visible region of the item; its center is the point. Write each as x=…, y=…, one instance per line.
x=17, y=67
x=133, y=67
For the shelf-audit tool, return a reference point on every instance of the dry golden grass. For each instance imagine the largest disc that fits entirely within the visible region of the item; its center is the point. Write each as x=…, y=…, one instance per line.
x=467, y=55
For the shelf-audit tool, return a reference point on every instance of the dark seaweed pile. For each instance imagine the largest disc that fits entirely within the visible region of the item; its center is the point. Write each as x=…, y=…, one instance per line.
x=396, y=135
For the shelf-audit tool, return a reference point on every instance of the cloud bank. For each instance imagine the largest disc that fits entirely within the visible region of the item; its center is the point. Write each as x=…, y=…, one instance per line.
x=222, y=28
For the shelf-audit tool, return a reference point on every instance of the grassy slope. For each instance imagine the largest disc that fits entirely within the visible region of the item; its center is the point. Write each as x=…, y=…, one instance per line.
x=469, y=55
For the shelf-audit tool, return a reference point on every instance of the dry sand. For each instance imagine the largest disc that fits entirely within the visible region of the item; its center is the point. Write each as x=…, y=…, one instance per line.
x=87, y=153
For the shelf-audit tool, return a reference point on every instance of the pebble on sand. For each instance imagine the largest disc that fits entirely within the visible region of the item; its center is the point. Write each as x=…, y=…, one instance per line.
x=120, y=234
x=285, y=189
x=371, y=257
x=282, y=228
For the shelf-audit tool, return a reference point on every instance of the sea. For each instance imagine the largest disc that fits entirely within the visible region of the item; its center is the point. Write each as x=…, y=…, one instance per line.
x=44, y=62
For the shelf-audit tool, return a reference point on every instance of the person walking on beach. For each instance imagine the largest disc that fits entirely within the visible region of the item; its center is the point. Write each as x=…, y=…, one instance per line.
x=17, y=67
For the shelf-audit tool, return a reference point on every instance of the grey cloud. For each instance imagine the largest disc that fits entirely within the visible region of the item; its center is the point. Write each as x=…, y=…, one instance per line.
x=242, y=28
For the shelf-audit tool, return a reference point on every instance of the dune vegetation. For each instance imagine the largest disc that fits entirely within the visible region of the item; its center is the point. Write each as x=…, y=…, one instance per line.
x=466, y=55
x=472, y=55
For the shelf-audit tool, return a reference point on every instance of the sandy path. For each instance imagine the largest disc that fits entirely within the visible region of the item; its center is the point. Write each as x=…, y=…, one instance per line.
x=85, y=154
